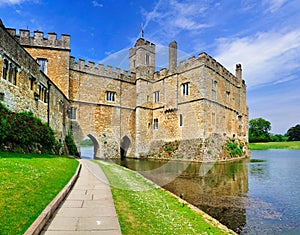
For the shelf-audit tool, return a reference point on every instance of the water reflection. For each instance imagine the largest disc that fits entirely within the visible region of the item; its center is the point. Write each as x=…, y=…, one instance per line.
x=220, y=189
x=258, y=197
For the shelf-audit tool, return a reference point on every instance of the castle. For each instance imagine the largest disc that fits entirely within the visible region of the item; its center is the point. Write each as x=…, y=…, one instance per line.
x=189, y=109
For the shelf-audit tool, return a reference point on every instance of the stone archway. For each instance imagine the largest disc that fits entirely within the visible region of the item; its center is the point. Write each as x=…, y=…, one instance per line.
x=95, y=145
x=125, y=143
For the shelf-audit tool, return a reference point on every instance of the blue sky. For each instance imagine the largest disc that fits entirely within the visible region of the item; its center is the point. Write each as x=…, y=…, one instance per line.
x=264, y=36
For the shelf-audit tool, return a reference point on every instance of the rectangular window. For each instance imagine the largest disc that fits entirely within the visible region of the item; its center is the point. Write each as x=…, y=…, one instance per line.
x=214, y=89
x=32, y=80
x=156, y=96
x=185, y=89
x=73, y=111
x=40, y=91
x=43, y=64
x=15, y=73
x=110, y=96
x=10, y=72
x=180, y=120
x=5, y=68
x=147, y=59
x=155, y=123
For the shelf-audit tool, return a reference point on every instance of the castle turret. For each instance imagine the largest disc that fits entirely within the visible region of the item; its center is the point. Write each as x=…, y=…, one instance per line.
x=172, y=56
x=142, y=58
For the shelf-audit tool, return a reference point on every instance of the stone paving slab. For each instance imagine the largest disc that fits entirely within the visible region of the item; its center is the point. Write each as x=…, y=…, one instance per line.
x=88, y=209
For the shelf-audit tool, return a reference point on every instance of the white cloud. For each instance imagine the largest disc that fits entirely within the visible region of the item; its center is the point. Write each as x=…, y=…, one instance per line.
x=11, y=2
x=97, y=4
x=266, y=57
x=173, y=16
x=274, y=5
x=15, y=2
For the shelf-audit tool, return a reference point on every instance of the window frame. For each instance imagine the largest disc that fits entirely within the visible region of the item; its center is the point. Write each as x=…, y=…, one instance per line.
x=43, y=64
x=185, y=89
x=155, y=123
x=156, y=96
x=110, y=96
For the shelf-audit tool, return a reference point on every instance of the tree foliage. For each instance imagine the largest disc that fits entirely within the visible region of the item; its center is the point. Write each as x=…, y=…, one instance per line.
x=259, y=130
x=294, y=133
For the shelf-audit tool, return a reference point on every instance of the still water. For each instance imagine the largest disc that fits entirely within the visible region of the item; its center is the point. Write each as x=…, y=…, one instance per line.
x=256, y=196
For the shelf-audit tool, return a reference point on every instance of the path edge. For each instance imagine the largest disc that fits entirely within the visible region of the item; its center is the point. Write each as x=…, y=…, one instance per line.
x=37, y=226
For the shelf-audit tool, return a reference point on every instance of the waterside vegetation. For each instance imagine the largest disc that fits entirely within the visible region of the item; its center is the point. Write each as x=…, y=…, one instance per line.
x=29, y=182
x=145, y=208
x=275, y=145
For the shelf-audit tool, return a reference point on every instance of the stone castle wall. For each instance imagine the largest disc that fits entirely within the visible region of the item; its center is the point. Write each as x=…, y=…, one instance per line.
x=197, y=105
x=108, y=122
x=28, y=89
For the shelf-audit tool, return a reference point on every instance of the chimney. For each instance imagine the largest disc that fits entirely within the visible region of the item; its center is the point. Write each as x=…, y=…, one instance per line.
x=238, y=72
x=172, y=56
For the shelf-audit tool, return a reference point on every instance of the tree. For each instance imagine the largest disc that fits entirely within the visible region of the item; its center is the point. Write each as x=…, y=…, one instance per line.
x=294, y=133
x=259, y=130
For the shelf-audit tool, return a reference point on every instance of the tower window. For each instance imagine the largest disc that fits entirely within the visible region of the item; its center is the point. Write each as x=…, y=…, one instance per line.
x=155, y=123
x=147, y=59
x=110, y=96
x=214, y=89
x=185, y=88
x=43, y=64
x=156, y=96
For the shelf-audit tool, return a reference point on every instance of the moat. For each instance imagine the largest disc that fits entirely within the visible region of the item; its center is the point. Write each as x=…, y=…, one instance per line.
x=256, y=196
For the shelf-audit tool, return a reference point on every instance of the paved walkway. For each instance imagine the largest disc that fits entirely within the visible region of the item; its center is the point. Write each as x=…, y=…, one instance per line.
x=88, y=209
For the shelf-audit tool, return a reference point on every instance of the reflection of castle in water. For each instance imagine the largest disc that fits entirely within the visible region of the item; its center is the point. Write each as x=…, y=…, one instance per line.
x=219, y=189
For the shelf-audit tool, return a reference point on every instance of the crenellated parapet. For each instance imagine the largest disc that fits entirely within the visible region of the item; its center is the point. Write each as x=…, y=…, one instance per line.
x=208, y=61
x=99, y=70
x=39, y=40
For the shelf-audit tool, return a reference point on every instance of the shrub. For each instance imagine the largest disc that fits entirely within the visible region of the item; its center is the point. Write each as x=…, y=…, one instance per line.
x=71, y=145
x=22, y=132
x=234, y=147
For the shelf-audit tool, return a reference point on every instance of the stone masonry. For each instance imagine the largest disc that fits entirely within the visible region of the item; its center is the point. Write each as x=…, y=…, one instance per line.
x=196, y=103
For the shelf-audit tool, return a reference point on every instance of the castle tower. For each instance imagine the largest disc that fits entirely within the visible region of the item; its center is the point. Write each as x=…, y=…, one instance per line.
x=142, y=59
x=51, y=53
x=172, y=56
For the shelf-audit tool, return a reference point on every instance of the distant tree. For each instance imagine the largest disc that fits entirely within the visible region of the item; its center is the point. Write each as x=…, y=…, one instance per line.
x=294, y=133
x=278, y=138
x=259, y=130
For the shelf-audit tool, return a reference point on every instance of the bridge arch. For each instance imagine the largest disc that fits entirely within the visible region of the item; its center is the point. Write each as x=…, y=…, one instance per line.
x=96, y=146
x=124, y=146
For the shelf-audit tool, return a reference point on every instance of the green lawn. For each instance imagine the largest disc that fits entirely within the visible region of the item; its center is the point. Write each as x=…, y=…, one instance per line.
x=27, y=184
x=275, y=145
x=144, y=208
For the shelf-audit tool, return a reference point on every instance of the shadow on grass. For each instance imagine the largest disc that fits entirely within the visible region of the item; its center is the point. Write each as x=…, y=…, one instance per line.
x=29, y=156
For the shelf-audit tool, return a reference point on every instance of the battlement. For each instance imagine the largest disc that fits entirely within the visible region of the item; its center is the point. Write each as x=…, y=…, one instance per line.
x=38, y=40
x=207, y=60
x=99, y=70
x=143, y=42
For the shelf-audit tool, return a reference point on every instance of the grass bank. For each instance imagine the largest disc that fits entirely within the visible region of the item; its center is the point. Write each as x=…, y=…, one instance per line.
x=144, y=208
x=28, y=183
x=275, y=145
